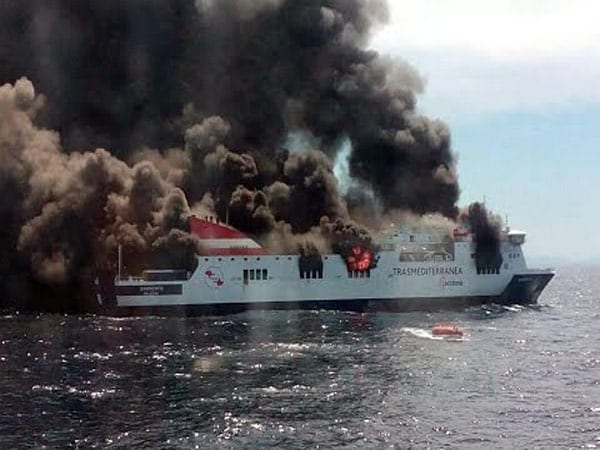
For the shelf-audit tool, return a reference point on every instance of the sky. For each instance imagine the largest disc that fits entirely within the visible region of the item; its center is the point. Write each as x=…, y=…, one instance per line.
x=518, y=83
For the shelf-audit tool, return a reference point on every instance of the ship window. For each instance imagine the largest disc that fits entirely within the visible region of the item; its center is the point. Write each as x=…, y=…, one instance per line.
x=258, y=259
x=412, y=238
x=258, y=273
x=245, y=276
x=245, y=259
x=252, y=274
x=314, y=273
x=277, y=258
x=354, y=274
x=265, y=273
x=233, y=259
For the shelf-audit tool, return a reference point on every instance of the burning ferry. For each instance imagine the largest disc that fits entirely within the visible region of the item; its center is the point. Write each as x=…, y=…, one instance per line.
x=413, y=269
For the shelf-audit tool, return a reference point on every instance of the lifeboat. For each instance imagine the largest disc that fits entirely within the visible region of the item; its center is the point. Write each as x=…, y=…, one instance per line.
x=446, y=330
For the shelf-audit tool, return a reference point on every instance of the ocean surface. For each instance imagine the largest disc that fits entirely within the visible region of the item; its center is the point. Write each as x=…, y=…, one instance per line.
x=521, y=378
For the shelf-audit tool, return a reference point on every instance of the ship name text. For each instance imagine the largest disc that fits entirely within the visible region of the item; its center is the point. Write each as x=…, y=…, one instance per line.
x=427, y=271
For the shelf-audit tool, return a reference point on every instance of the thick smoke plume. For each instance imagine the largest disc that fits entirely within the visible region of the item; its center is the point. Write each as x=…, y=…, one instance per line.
x=486, y=230
x=194, y=102
x=64, y=215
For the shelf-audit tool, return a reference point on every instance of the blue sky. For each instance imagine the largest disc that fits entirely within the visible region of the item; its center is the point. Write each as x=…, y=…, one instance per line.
x=518, y=82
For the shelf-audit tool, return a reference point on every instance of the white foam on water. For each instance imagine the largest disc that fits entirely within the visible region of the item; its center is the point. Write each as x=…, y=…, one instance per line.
x=427, y=334
x=513, y=308
x=422, y=333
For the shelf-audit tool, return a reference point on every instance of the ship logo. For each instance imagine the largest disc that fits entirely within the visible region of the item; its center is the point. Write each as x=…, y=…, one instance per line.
x=214, y=277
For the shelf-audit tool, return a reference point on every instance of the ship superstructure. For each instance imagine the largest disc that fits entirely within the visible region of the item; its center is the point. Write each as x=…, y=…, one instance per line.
x=413, y=269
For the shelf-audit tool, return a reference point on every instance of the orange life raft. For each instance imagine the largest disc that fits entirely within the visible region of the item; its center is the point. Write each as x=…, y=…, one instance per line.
x=446, y=330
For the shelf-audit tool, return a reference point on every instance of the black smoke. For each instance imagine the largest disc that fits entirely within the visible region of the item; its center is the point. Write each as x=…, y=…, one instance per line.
x=119, y=75
x=486, y=229
x=192, y=102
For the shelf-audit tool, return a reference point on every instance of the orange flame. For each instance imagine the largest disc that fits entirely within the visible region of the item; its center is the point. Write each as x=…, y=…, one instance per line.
x=359, y=259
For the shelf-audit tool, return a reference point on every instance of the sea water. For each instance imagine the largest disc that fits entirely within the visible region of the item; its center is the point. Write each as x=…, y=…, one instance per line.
x=522, y=377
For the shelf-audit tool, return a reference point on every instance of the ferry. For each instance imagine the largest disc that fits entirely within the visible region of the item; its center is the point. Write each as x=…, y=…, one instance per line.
x=412, y=269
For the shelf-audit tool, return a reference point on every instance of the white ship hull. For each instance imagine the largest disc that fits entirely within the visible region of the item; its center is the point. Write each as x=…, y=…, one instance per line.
x=274, y=281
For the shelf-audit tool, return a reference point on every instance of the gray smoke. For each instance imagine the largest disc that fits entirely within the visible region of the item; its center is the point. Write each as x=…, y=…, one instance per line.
x=66, y=214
